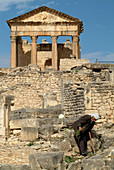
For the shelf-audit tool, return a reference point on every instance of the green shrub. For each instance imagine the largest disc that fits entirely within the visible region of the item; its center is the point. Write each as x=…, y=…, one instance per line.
x=69, y=159
x=30, y=144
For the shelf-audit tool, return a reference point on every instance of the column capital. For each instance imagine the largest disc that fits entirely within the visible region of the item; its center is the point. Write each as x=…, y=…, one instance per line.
x=34, y=38
x=13, y=38
x=54, y=38
x=75, y=38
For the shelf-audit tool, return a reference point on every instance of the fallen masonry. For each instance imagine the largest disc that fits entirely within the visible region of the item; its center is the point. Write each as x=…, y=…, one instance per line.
x=33, y=138
x=49, y=142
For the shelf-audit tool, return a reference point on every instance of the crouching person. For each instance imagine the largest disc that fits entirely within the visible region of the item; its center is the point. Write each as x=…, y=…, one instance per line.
x=82, y=127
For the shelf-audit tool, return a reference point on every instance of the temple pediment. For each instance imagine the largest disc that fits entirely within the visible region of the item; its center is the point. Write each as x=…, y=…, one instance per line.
x=45, y=15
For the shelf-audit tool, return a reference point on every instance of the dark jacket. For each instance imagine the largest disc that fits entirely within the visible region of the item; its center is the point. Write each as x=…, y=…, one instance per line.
x=85, y=122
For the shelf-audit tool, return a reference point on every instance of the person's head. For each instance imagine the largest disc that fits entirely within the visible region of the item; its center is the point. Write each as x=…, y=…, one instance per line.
x=95, y=116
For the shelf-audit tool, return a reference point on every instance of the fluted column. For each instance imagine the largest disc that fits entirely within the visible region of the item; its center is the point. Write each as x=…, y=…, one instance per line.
x=76, y=46
x=34, y=50
x=54, y=53
x=13, y=51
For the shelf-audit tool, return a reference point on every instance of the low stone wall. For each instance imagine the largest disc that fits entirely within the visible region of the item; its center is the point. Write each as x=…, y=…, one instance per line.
x=38, y=122
x=89, y=98
x=67, y=64
x=99, y=97
x=32, y=113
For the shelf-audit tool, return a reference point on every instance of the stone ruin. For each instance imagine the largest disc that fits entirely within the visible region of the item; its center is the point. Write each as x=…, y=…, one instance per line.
x=47, y=80
x=44, y=21
x=32, y=134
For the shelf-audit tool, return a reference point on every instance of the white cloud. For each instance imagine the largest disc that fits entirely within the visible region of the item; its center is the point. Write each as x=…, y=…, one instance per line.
x=6, y=4
x=51, y=2
x=24, y=5
x=100, y=56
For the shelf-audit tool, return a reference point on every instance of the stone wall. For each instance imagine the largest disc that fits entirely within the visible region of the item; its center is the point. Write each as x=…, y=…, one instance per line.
x=73, y=99
x=102, y=99
x=33, y=88
x=44, y=59
x=67, y=64
x=23, y=53
x=89, y=98
x=44, y=53
x=30, y=87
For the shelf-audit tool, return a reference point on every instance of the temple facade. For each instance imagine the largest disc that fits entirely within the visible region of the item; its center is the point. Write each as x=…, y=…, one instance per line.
x=44, y=21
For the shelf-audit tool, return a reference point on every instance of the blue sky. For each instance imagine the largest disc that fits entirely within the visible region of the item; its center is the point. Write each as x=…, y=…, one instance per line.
x=97, y=40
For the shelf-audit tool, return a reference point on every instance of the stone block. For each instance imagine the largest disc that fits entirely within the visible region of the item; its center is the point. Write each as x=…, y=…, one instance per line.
x=95, y=163
x=15, y=167
x=75, y=166
x=33, y=162
x=16, y=132
x=61, y=166
x=46, y=130
x=106, y=168
x=19, y=123
x=50, y=160
x=65, y=146
x=29, y=133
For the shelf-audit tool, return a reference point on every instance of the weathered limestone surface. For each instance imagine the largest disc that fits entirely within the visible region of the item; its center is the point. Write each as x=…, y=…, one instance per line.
x=29, y=133
x=75, y=165
x=91, y=163
x=67, y=64
x=47, y=160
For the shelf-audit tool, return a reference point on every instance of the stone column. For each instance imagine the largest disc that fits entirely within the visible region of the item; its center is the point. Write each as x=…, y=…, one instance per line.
x=13, y=51
x=7, y=119
x=54, y=53
x=5, y=109
x=34, y=50
x=76, y=46
x=19, y=51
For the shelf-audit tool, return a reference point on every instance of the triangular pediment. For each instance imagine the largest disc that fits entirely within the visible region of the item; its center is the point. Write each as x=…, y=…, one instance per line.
x=44, y=14
x=46, y=17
